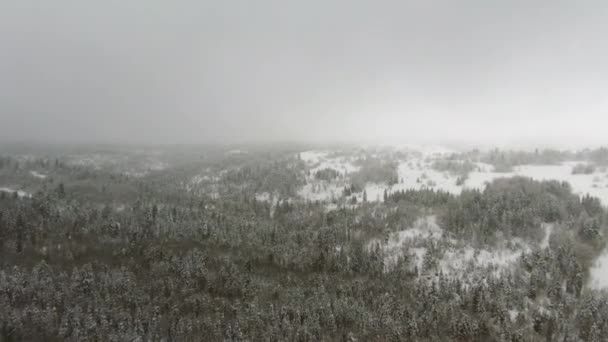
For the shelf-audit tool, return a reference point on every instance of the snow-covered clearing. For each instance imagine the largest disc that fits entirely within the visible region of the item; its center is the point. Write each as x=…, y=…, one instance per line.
x=20, y=193
x=460, y=261
x=593, y=184
x=263, y=197
x=417, y=173
x=425, y=150
x=236, y=151
x=313, y=157
x=457, y=259
x=321, y=191
x=423, y=228
x=599, y=273
x=38, y=175
x=319, y=160
x=272, y=199
x=548, y=228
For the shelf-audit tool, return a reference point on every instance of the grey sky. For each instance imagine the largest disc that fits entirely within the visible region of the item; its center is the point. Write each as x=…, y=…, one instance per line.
x=197, y=71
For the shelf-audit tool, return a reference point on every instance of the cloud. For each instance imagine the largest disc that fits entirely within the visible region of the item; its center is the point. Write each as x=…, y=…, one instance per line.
x=231, y=71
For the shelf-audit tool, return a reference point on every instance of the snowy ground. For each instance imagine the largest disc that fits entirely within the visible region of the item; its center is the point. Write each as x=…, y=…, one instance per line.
x=38, y=175
x=595, y=184
x=599, y=273
x=20, y=193
x=548, y=227
x=417, y=173
x=457, y=260
x=464, y=260
x=320, y=160
x=423, y=228
x=319, y=190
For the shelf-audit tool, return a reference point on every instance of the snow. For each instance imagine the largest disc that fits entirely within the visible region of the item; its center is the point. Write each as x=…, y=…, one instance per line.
x=38, y=175
x=548, y=231
x=136, y=174
x=156, y=165
x=267, y=197
x=321, y=191
x=457, y=260
x=599, y=273
x=263, y=197
x=513, y=315
x=418, y=253
x=423, y=228
x=582, y=184
x=236, y=151
x=417, y=173
x=201, y=178
x=312, y=157
x=426, y=150
x=20, y=193
x=454, y=262
x=322, y=160
x=375, y=192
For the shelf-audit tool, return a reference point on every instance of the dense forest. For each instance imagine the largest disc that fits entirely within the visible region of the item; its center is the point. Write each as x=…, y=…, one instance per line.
x=96, y=254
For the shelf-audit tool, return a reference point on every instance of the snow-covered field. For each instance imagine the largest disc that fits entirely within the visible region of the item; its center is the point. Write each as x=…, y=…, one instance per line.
x=417, y=173
x=20, y=193
x=423, y=228
x=457, y=260
x=320, y=190
x=38, y=175
x=463, y=260
x=599, y=273
x=320, y=160
x=595, y=184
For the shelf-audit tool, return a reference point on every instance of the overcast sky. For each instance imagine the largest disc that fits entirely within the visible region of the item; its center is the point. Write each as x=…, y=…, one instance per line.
x=314, y=70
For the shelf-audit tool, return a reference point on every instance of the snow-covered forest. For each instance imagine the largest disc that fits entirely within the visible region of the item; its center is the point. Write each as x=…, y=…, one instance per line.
x=300, y=243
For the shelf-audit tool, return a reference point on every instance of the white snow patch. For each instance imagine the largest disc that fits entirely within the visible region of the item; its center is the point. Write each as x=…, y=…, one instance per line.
x=236, y=151
x=321, y=191
x=38, y=175
x=423, y=228
x=374, y=192
x=599, y=272
x=458, y=262
x=418, y=253
x=312, y=157
x=426, y=150
x=548, y=227
x=20, y=193
x=157, y=165
x=263, y=197
x=136, y=174
x=330, y=206
x=417, y=173
x=582, y=184
x=513, y=315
